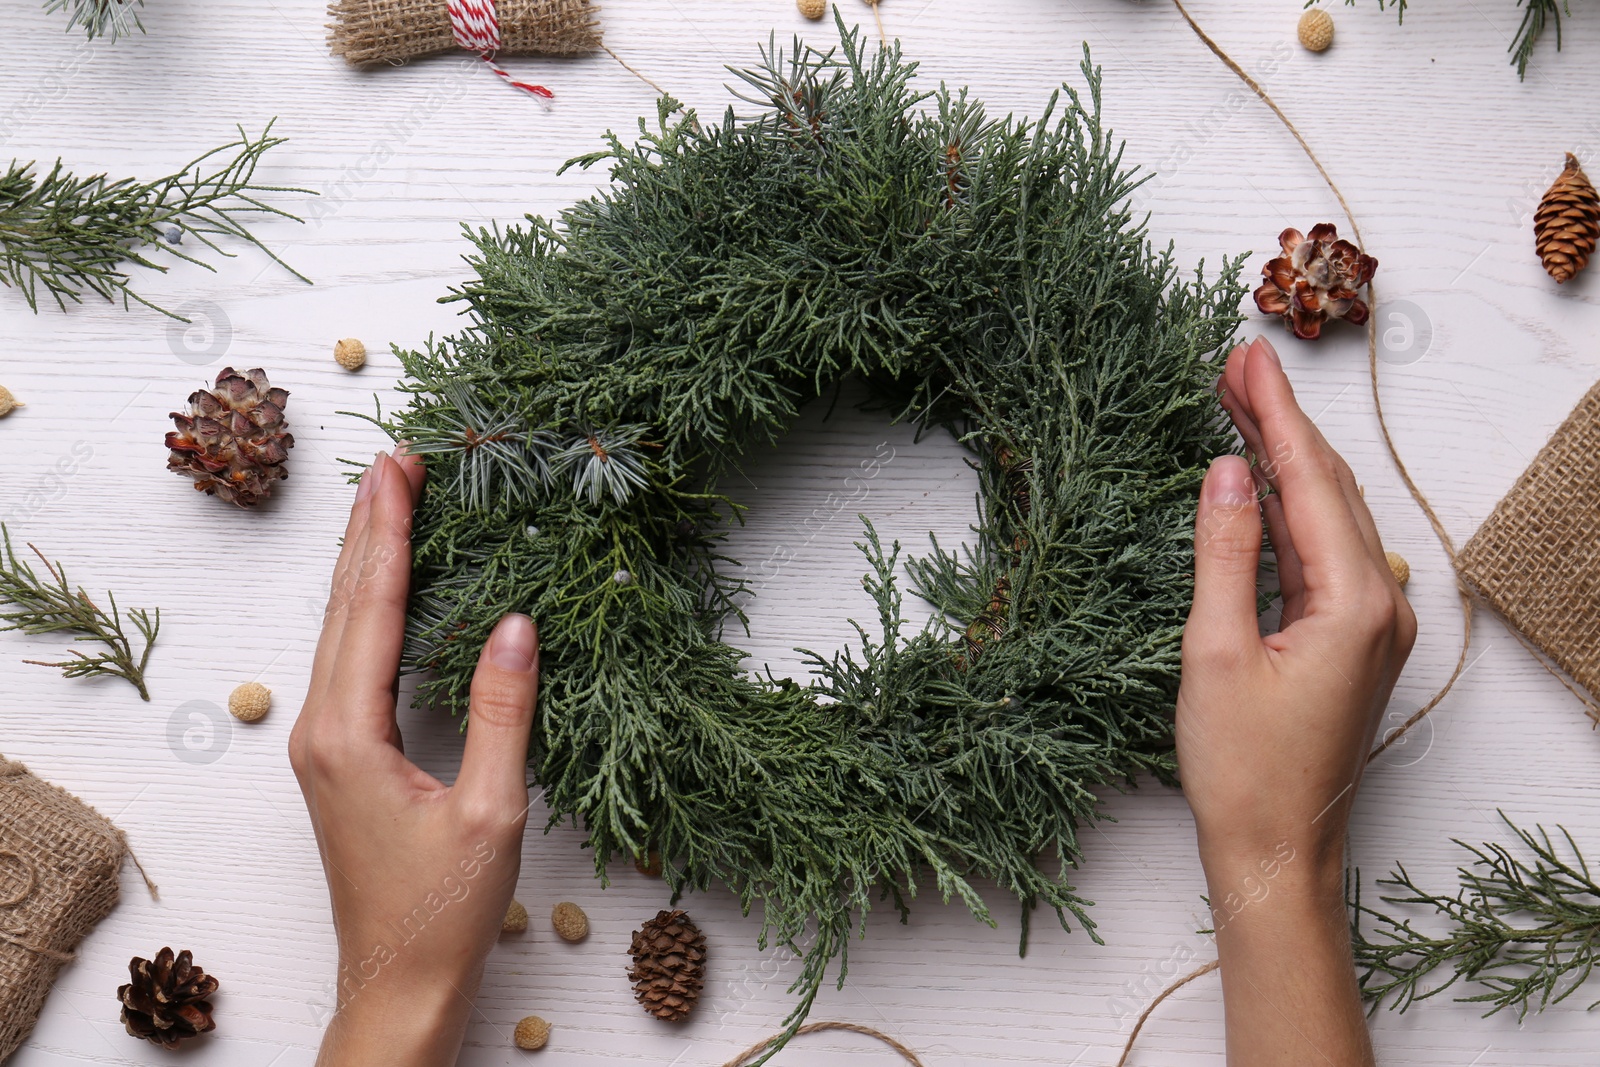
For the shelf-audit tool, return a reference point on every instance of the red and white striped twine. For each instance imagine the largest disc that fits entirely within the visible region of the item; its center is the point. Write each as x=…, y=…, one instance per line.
x=477, y=29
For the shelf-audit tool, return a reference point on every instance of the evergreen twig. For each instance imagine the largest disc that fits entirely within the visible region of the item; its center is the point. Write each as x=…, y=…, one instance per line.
x=1537, y=15
x=42, y=607
x=1528, y=931
x=68, y=235
x=100, y=18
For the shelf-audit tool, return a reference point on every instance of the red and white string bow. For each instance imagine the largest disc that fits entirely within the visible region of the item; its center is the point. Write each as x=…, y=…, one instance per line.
x=477, y=29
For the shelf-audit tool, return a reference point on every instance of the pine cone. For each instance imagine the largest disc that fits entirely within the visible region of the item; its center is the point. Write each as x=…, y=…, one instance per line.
x=1567, y=224
x=233, y=444
x=1315, y=280
x=669, y=965
x=166, y=1001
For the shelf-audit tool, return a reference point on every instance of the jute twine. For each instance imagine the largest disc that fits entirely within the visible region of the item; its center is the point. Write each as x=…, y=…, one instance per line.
x=392, y=31
x=810, y=1028
x=59, y=862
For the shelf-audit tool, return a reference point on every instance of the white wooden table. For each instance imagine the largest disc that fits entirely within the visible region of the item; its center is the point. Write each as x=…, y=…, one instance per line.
x=1441, y=151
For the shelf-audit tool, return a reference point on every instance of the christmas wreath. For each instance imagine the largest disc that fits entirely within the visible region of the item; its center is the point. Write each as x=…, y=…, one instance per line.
x=982, y=276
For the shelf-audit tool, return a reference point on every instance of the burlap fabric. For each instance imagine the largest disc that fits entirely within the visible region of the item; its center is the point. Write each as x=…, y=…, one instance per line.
x=1536, y=560
x=59, y=866
x=377, y=31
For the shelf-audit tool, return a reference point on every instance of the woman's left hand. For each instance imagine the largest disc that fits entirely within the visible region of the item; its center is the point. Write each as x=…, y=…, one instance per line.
x=420, y=873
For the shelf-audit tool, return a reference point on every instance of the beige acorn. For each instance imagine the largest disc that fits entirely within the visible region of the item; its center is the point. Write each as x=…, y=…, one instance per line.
x=1316, y=30
x=532, y=1033
x=813, y=9
x=516, y=919
x=8, y=403
x=570, y=921
x=250, y=701
x=1399, y=567
x=350, y=354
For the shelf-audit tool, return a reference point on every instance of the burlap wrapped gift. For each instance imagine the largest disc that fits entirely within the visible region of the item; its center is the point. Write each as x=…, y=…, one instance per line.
x=59, y=866
x=1536, y=560
x=379, y=31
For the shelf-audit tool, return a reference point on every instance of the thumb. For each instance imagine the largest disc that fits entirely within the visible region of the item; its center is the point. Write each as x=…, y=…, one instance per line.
x=500, y=714
x=1227, y=551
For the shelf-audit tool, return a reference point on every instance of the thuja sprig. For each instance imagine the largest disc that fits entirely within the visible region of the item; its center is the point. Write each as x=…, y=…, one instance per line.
x=100, y=18
x=43, y=607
x=1526, y=930
x=1537, y=15
x=68, y=236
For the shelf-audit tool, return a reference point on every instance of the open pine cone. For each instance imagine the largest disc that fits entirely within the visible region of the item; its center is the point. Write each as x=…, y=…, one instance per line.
x=669, y=965
x=1315, y=280
x=166, y=1001
x=233, y=442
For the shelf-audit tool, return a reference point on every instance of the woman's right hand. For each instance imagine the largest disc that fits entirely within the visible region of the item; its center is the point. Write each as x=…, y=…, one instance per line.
x=1273, y=732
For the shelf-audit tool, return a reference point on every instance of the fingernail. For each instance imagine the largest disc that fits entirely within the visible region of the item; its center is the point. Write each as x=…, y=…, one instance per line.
x=1228, y=483
x=1264, y=346
x=511, y=644
x=368, y=481
x=380, y=470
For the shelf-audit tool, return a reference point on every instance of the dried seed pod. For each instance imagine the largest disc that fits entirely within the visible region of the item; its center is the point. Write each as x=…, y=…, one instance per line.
x=532, y=1033
x=8, y=403
x=350, y=354
x=1316, y=30
x=1567, y=225
x=813, y=9
x=516, y=919
x=1398, y=567
x=250, y=701
x=570, y=921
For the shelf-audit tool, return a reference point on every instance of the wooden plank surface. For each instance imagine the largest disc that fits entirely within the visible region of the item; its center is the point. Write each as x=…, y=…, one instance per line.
x=1441, y=151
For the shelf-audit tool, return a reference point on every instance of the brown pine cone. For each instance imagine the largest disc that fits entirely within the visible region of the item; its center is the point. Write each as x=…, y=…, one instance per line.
x=166, y=1001
x=669, y=965
x=233, y=443
x=1315, y=280
x=1567, y=225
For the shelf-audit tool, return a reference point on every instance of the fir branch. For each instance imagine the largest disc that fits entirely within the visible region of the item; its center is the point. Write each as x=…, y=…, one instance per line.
x=42, y=607
x=1526, y=931
x=604, y=462
x=68, y=235
x=100, y=18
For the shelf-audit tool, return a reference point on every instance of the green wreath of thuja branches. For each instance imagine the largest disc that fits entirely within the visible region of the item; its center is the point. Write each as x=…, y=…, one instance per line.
x=980, y=275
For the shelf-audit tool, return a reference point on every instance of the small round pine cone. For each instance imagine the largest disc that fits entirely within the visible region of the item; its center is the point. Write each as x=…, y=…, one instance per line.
x=516, y=919
x=350, y=353
x=250, y=701
x=1315, y=30
x=532, y=1033
x=570, y=921
x=813, y=9
x=648, y=865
